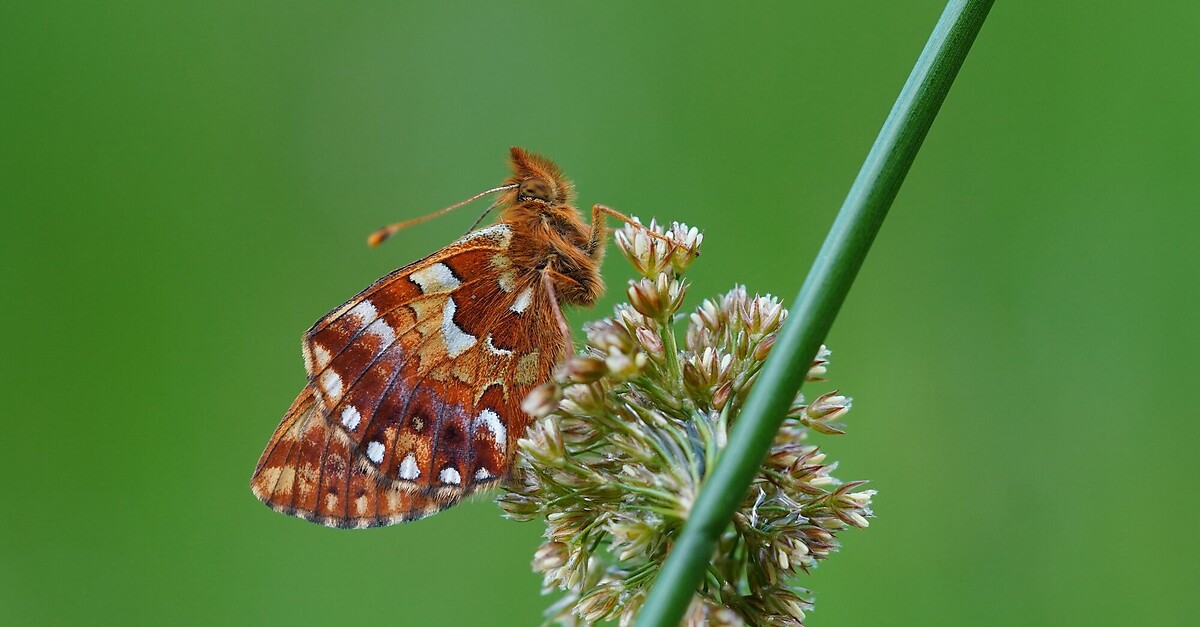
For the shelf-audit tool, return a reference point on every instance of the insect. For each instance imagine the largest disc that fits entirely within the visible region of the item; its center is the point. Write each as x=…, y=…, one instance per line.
x=415, y=385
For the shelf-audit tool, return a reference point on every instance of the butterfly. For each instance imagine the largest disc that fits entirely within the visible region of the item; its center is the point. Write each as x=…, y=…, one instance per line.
x=414, y=391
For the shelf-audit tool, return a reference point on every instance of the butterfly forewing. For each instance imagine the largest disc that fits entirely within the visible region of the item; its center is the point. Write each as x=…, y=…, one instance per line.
x=415, y=387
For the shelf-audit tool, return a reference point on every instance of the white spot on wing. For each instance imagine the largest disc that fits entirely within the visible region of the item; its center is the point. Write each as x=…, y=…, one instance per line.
x=381, y=329
x=450, y=476
x=523, y=300
x=496, y=351
x=408, y=468
x=351, y=417
x=375, y=452
x=365, y=312
x=482, y=474
x=322, y=356
x=331, y=383
x=457, y=340
x=435, y=279
x=491, y=420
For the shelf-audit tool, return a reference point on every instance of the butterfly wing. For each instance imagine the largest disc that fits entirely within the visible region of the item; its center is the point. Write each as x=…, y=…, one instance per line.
x=414, y=392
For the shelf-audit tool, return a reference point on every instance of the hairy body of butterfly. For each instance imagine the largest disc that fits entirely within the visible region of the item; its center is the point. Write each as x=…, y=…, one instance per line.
x=415, y=385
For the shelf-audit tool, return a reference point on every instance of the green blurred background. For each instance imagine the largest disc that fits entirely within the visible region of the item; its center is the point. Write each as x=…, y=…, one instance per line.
x=187, y=186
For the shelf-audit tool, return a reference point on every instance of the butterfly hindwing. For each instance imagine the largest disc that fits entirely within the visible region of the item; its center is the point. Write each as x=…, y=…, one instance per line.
x=415, y=387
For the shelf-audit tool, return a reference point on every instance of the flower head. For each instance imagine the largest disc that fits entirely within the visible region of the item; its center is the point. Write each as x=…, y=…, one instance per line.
x=626, y=431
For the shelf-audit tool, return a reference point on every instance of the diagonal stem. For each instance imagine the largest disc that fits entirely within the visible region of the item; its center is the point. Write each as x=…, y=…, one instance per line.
x=820, y=297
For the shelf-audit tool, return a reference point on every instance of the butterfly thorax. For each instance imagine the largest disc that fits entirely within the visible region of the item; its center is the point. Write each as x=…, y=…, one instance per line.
x=554, y=238
x=549, y=236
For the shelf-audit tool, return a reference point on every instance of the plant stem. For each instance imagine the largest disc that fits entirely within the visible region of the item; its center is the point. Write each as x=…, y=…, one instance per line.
x=671, y=350
x=820, y=297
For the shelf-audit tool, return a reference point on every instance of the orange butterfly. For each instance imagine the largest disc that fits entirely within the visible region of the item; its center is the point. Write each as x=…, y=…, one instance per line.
x=415, y=385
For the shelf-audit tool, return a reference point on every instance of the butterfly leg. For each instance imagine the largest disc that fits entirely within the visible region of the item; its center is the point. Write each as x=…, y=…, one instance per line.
x=549, y=276
x=599, y=229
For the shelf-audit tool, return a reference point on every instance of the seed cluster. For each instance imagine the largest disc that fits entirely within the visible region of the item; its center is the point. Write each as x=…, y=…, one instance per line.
x=626, y=431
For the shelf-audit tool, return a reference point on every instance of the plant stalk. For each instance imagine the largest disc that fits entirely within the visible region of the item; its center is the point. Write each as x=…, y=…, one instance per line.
x=812, y=315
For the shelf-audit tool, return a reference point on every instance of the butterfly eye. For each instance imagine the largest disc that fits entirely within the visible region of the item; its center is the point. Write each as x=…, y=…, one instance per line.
x=536, y=189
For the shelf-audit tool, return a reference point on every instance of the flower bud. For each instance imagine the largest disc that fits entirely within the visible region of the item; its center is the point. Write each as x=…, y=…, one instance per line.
x=721, y=395
x=822, y=414
x=645, y=299
x=607, y=335
x=820, y=365
x=584, y=368
x=622, y=367
x=549, y=556
x=649, y=255
x=658, y=298
x=542, y=400
x=597, y=605
x=687, y=246
x=651, y=343
x=519, y=507
x=544, y=442
x=858, y=520
x=627, y=316
x=762, y=314
x=829, y=404
x=708, y=315
x=763, y=348
x=588, y=398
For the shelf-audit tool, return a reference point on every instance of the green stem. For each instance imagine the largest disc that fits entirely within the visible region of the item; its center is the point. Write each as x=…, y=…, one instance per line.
x=671, y=352
x=822, y=294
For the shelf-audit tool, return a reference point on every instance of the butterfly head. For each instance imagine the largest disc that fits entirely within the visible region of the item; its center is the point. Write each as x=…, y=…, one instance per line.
x=537, y=180
x=537, y=190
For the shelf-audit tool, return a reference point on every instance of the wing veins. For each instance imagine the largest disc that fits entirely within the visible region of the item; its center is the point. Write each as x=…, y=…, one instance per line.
x=331, y=414
x=357, y=335
x=401, y=273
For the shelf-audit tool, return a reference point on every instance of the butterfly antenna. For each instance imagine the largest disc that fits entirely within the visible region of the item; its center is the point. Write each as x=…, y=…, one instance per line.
x=379, y=236
x=483, y=215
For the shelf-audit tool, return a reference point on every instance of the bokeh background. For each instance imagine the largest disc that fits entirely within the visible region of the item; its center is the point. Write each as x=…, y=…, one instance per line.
x=187, y=186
